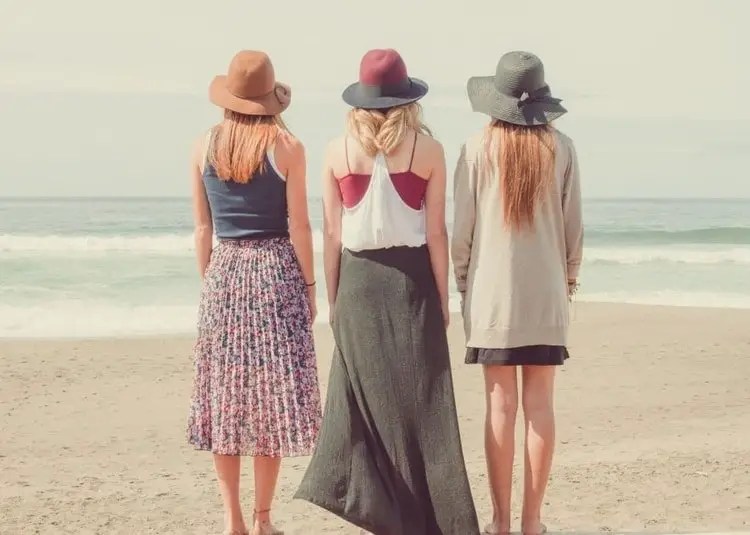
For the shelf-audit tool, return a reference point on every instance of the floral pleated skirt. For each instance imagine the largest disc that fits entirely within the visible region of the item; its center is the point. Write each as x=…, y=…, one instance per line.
x=255, y=388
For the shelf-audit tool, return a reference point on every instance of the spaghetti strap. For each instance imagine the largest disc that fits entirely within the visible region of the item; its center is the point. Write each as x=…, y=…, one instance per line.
x=346, y=155
x=413, y=149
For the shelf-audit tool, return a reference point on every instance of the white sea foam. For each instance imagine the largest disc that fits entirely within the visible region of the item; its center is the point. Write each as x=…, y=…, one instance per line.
x=51, y=245
x=633, y=255
x=81, y=319
x=176, y=244
x=35, y=304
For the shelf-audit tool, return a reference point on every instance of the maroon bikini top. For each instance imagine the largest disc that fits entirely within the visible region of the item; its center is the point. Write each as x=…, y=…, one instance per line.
x=409, y=185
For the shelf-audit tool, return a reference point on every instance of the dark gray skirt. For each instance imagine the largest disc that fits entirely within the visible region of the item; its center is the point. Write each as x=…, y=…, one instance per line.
x=539, y=355
x=389, y=457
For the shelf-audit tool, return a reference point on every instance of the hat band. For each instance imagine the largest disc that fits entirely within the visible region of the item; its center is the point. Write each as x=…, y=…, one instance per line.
x=245, y=96
x=385, y=90
x=540, y=92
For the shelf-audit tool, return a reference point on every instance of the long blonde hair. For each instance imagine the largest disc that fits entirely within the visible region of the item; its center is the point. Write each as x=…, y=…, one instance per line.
x=239, y=144
x=384, y=132
x=526, y=160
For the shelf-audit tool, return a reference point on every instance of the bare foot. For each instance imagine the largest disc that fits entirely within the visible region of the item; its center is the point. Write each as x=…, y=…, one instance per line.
x=264, y=527
x=496, y=528
x=533, y=528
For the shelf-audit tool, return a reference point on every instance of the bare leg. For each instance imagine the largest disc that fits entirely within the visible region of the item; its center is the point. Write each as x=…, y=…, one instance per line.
x=501, y=388
x=266, y=474
x=538, y=411
x=228, y=472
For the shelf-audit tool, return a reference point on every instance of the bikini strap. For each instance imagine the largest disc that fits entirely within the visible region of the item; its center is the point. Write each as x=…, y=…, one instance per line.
x=413, y=149
x=346, y=154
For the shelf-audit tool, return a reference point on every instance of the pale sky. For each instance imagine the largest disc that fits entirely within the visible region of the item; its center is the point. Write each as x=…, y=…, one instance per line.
x=625, y=70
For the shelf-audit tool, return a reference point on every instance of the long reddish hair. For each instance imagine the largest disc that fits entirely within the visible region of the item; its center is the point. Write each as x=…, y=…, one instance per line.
x=525, y=157
x=240, y=142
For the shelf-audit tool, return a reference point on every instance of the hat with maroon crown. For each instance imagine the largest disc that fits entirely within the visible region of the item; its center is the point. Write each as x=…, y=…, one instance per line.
x=383, y=82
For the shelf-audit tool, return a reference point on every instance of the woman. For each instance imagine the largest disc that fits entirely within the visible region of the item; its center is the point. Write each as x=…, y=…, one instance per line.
x=256, y=385
x=516, y=250
x=389, y=457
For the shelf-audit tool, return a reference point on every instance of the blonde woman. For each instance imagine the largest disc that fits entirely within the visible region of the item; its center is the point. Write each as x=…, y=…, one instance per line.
x=517, y=243
x=256, y=383
x=389, y=456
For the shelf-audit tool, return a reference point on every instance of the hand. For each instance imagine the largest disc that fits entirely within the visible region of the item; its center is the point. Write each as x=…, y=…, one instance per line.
x=572, y=287
x=446, y=313
x=312, y=303
x=330, y=314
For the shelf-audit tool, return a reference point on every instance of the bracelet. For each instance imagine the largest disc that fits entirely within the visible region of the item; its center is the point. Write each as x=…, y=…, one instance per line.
x=310, y=285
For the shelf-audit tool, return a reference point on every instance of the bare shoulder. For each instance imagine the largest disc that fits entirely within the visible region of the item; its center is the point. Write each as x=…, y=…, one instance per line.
x=335, y=157
x=198, y=151
x=335, y=148
x=429, y=156
x=290, y=153
x=290, y=144
x=430, y=145
x=200, y=144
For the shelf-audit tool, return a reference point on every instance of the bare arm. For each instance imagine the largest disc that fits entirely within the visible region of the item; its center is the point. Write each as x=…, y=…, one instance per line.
x=300, y=231
x=332, y=212
x=437, y=234
x=573, y=217
x=464, y=201
x=204, y=228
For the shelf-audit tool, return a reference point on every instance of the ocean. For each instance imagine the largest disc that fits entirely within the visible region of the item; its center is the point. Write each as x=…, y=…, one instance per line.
x=120, y=267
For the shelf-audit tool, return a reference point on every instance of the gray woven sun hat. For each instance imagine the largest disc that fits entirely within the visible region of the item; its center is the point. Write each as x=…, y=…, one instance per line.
x=517, y=93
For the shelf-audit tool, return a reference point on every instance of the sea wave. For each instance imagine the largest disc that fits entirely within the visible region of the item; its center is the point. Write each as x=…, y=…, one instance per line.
x=76, y=318
x=708, y=235
x=645, y=255
x=182, y=245
x=55, y=245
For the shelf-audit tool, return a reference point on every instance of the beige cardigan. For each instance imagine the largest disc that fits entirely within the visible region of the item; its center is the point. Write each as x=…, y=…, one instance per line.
x=513, y=285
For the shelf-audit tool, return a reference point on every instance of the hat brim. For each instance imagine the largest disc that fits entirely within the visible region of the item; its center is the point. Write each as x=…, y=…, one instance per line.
x=357, y=98
x=271, y=103
x=486, y=99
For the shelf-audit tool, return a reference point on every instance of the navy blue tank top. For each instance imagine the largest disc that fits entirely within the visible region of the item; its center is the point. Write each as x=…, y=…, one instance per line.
x=254, y=210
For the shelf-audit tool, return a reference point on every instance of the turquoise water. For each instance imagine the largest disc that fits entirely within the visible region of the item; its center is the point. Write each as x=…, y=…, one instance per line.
x=98, y=267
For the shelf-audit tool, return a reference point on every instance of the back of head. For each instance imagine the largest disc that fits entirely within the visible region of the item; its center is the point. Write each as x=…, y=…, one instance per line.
x=253, y=101
x=520, y=141
x=525, y=158
x=240, y=142
x=384, y=102
x=384, y=130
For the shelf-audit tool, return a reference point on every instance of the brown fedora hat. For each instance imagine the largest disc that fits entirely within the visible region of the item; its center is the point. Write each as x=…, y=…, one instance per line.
x=250, y=86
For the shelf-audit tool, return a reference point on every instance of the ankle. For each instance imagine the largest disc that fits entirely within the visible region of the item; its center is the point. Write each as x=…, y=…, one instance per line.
x=262, y=515
x=234, y=522
x=501, y=521
x=531, y=524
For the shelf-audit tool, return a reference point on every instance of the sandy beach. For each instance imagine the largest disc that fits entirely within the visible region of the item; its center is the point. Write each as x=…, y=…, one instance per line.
x=653, y=431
